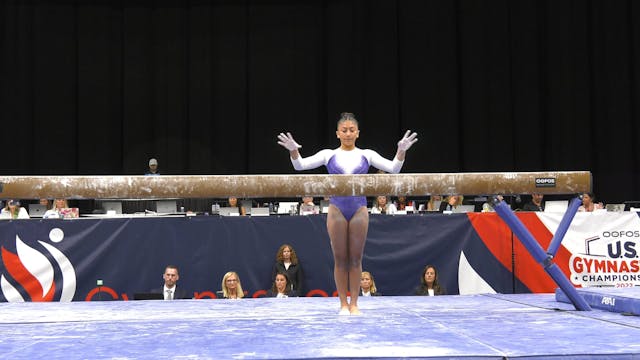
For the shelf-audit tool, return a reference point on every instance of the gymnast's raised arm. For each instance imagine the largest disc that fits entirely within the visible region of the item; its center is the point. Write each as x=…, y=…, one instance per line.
x=300, y=163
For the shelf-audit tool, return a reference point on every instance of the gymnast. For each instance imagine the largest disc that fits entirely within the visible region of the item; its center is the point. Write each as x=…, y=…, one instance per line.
x=348, y=218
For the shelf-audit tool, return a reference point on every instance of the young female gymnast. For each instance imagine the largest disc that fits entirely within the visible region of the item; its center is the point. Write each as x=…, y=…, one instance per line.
x=348, y=219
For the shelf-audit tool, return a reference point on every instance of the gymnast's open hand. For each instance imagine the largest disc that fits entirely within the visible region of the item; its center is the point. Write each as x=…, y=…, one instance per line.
x=288, y=142
x=407, y=140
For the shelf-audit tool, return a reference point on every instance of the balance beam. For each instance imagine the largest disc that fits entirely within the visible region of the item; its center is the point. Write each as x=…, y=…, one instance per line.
x=280, y=186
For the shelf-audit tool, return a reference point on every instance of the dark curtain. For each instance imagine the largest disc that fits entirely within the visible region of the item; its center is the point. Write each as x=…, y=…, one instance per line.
x=204, y=86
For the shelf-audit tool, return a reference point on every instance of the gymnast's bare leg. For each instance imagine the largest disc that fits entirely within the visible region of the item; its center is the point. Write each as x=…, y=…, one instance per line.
x=347, y=242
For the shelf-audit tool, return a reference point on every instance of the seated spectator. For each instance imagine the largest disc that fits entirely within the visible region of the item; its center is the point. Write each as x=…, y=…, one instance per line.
x=231, y=286
x=401, y=203
x=60, y=210
x=308, y=200
x=45, y=202
x=13, y=210
x=170, y=289
x=281, y=288
x=429, y=283
x=535, y=204
x=434, y=203
x=55, y=210
x=307, y=206
x=368, y=285
x=451, y=203
x=589, y=204
x=233, y=202
x=287, y=262
x=488, y=206
x=381, y=206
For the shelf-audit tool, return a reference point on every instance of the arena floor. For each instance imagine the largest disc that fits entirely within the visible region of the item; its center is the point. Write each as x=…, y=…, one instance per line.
x=477, y=326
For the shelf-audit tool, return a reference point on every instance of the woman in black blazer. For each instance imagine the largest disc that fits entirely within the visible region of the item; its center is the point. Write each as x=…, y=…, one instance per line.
x=287, y=262
x=281, y=288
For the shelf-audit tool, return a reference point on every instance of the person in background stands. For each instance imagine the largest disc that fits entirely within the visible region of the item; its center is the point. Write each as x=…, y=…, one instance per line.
x=13, y=210
x=430, y=286
x=153, y=168
x=451, y=203
x=368, y=285
x=233, y=202
x=401, y=203
x=381, y=206
x=535, y=204
x=231, y=286
x=589, y=204
x=434, y=203
x=170, y=289
x=307, y=206
x=56, y=211
x=45, y=202
x=488, y=206
x=287, y=262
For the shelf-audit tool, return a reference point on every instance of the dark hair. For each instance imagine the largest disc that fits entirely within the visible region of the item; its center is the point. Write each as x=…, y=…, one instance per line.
x=287, y=288
x=437, y=289
x=172, y=267
x=347, y=116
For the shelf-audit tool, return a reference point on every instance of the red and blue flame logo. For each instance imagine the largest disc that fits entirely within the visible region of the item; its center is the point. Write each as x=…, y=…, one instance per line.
x=30, y=270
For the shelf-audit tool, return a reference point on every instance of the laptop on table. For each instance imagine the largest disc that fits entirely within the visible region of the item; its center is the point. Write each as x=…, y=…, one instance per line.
x=148, y=296
x=166, y=207
x=37, y=210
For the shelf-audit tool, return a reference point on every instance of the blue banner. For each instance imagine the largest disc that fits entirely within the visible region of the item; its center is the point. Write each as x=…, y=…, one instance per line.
x=62, y=260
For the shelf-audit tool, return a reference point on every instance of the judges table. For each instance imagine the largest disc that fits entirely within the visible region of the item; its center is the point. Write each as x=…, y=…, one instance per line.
x=63, y=260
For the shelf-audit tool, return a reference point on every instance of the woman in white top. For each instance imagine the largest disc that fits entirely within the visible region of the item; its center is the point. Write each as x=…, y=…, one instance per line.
x=589, y=204
x=13, y=210
x=382, y=206
x=55, y=211
x=348, y=216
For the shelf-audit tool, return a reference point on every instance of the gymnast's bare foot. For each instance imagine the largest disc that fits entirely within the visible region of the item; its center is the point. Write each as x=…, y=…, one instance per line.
x=353, y=310
x=344, y=311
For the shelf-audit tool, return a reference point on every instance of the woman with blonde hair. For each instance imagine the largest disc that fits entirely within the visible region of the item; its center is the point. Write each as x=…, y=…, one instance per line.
x=57, y=210
x=381, y=205
x=231, y=286
x=368, y=285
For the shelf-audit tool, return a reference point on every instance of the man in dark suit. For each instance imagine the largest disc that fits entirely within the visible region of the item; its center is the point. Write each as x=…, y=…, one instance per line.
x=170, y=289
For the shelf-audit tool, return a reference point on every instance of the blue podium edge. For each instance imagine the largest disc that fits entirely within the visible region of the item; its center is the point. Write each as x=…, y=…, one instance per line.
x=605, y=301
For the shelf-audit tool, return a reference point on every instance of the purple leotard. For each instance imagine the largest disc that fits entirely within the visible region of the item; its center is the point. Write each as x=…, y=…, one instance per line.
x=356, y=161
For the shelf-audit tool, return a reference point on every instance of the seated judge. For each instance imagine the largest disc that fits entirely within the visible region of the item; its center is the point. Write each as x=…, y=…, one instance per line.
x=368, y=285
x=429, y=284
x=281, y=287
x=170, y=288
x=231, y=286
